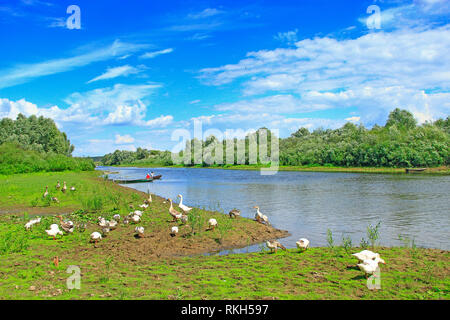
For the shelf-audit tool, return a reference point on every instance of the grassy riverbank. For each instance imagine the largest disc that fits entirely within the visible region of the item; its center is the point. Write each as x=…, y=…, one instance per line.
x=159, y=266
x=437, y=170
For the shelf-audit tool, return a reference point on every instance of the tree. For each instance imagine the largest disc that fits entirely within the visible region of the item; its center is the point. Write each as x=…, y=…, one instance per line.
x=402, y=119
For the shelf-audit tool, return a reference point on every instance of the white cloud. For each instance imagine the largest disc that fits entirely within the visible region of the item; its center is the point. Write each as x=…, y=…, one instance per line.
x=208, y=12
x=353, y=119
x=27, y=72
x=194, y=101
x=112, y=73
x=289, y=37
x=149, y=55
x=125, y=139
x=373, y=73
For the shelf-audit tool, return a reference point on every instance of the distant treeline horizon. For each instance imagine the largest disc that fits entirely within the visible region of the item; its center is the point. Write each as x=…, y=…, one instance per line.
x=401, y=142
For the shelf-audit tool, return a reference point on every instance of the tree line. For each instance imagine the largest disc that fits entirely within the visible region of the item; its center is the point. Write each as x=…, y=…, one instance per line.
x=401, y=142
x=32, y=144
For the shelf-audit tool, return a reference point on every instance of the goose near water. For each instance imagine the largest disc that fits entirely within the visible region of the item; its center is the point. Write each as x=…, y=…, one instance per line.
x=274, y=245
x=303, y=244
x=261, y=218
x=368, y=255
x=234, y=213
x=212, y=223
x=174, y=213
x=183, y=207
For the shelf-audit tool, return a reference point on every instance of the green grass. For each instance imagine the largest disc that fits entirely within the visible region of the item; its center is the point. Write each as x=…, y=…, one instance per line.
x=314, y=274
x=161, y=267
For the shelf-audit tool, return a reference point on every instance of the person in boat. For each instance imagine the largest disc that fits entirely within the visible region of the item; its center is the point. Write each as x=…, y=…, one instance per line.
x=152, y=174
x=147, y=176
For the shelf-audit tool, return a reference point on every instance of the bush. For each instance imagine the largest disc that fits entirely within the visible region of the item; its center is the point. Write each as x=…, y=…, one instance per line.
x=14, y=159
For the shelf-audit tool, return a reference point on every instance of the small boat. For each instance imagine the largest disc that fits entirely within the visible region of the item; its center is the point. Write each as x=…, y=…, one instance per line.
x=409, y=170
x=126, y=181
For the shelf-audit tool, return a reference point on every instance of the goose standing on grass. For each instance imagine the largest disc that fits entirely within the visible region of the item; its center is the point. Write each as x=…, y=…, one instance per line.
x=116, y=217
x=261, y=218
x=234, y=213
x=136, y=218
x=274, y=245
x=64, y=188
x=302, y=244
x=55, y=199
x=174, y=213
x=149, y=200
x=173, y=231
x=113, y=224
x=138, y=213
x=368, y=255
x=31, y=223
x=212, y=223
x=54, y=231
x=139, y=231
x=370, y=266
x=72, y=188
x=103, y=223
x=105, y=231
x=58, y=185
x=143, y=206
x=67, y=226
x=183, y=207
x=45, y=192
x=126, y=220
x=95, y=237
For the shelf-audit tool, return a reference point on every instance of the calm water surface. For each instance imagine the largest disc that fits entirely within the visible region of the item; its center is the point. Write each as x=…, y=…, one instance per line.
x=308, y=203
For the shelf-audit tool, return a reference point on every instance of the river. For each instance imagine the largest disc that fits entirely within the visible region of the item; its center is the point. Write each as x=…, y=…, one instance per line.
x=308, y=203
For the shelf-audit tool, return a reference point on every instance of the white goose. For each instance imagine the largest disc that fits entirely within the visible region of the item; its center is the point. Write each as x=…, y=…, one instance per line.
x=31, y=223
x=303, y=244
x=274, y=245
x=54, y=231
x=143, y=206
x=173, y=231
x=367, y=255
x=95, y=237
x=183, y=207
x=116, y=217
x=136, y=218
x=139, y=231
x=212, y=223
x=138, y=213
x=103, y=223
x=370, y=266
x=113, y=224
x=261, y=218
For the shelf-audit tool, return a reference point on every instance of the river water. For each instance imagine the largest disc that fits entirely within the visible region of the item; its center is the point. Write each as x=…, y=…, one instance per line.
x=308, y=203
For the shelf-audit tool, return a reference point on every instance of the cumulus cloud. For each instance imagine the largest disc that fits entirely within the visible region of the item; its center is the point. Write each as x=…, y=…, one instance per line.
x=125, y=139
x=373, y=73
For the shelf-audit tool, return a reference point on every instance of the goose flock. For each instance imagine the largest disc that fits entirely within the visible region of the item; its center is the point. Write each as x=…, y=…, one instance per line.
x=368, y=261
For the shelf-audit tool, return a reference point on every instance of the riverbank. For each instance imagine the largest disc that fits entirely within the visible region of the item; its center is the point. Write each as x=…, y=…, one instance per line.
x=159, y=266
x=445, y=170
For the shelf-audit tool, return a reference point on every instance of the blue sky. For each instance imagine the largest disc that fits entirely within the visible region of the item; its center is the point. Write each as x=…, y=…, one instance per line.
x=138, y=70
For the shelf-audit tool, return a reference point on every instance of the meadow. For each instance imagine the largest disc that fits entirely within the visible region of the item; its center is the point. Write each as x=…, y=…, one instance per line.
x=159, y=266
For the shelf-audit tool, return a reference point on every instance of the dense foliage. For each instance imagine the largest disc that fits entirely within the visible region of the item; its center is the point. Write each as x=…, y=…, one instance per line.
x=140, y=156
x=35, y=144
x=400, y=143
x=14, y=159
x=35, y=133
